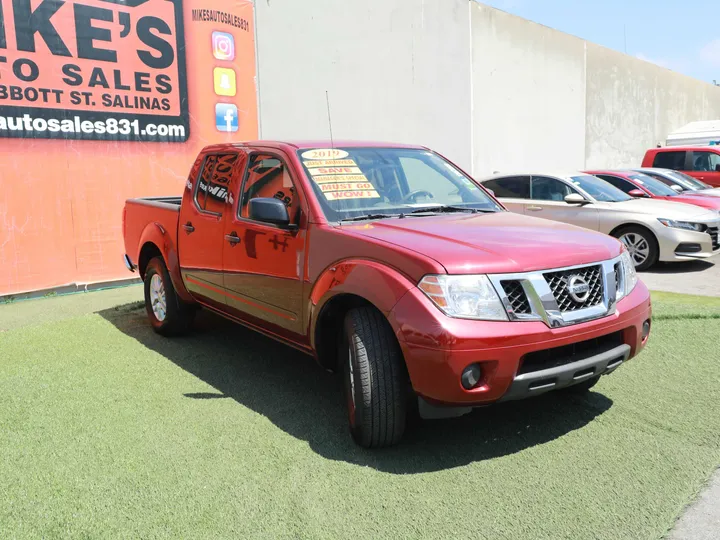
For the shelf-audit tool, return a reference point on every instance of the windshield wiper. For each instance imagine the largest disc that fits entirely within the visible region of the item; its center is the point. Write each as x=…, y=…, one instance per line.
x=449, y=209
x=369, y=216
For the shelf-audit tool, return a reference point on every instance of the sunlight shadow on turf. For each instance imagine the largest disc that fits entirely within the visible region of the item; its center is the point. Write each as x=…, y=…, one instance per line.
x=303, y=400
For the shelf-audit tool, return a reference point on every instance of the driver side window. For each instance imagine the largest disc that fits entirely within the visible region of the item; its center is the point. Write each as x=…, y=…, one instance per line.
x=544, y=188
x=268, y=176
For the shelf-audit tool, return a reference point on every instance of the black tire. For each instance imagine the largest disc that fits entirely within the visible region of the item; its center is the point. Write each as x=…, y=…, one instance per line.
x=583, y=387
x=179, y=316
x=377, y=399
x=653, y=249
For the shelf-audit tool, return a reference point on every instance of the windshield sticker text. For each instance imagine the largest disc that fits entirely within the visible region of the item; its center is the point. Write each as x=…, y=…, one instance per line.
x=325, y=153
x=330, y=163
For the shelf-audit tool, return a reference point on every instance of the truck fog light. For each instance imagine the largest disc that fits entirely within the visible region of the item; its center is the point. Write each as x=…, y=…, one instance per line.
x=646, y=330
x=471, y=376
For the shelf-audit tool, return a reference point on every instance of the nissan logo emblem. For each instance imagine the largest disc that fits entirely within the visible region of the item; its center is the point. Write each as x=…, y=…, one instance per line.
x=578, y=289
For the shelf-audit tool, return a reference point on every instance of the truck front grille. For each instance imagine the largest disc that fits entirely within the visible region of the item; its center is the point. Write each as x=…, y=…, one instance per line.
x=516, y=297
x=559, y=283
x=560, y=356
x=713, y=232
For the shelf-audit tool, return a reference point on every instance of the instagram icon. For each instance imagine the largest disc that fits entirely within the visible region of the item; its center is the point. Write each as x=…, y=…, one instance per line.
x=223, y=46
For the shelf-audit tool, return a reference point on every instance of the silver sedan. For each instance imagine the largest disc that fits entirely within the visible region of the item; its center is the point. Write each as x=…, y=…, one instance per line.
x=651, y=229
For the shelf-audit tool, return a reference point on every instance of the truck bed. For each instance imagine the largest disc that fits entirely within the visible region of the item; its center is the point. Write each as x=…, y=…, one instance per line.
x=147, y=213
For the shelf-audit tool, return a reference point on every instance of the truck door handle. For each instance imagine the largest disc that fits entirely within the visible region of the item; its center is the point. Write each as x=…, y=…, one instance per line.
x=233, y=238
x=534, y=208
x=189, y=228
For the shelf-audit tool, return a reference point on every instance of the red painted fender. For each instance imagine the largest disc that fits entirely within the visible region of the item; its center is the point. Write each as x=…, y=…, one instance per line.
x=155, y=233
x=375, y=282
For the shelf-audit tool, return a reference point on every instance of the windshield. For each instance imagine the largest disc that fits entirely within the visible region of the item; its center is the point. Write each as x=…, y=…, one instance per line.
x=654, y=186
x=355, y=182
x=599, y=189
x=687, y=182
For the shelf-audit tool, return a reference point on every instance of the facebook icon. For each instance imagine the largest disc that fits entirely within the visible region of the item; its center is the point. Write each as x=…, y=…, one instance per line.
x=226, y=117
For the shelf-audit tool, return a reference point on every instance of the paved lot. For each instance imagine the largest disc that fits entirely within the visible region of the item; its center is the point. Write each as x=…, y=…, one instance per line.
x=697, y=277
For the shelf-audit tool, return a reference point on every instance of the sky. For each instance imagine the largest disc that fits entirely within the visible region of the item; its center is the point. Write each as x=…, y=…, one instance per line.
x=682, y=36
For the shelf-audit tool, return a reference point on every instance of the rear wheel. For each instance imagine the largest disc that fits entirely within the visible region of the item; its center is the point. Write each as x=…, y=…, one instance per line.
x=375, y=379
x=641, y=245
x=168, y=315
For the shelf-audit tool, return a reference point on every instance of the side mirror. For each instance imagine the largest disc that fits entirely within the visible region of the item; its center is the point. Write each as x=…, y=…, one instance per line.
x=717, y=168
x=490, y=191
x=270, y=210
x=677, y=188
x=637, y=193
x=576, y=198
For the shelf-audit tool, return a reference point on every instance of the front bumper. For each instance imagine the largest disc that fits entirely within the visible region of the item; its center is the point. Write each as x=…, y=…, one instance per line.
x=438, y=348
x=673, y=244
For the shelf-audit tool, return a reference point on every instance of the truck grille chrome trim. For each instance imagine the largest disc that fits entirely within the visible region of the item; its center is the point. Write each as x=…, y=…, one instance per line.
x=516, y=297
x=561, y=296
x=560, y=284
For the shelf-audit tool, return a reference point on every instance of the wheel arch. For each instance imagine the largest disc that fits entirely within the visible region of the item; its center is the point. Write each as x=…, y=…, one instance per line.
x=631, y=224
x=156, y=241
x=342, y=287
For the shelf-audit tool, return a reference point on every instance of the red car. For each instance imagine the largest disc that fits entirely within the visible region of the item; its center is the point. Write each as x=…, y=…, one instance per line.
x=389, y=265
x=638, y=185
x=701, y=162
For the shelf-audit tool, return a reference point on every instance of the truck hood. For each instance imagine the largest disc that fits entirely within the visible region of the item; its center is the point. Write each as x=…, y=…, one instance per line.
x=493, y=243
x=664, y=209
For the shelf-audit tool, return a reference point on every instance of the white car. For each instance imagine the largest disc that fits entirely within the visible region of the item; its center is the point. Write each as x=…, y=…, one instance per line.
x=651, y=229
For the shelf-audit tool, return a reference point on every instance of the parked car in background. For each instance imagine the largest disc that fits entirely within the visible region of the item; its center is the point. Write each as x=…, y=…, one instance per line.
x=640, y=185
x=389, y=265
x=701, y=162
x=680, y=181
x=652, y=230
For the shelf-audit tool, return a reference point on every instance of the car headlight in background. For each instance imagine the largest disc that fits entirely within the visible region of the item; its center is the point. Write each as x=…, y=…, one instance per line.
x=688, y=226
x=628, y=275
x=464, y=297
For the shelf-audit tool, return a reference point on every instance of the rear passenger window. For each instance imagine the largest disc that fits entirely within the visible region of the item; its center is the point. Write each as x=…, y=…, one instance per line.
x=268, y=176
x=620, y=183
x=549, y=189
x=670, y=160
x=512, y=187
x=212, y=187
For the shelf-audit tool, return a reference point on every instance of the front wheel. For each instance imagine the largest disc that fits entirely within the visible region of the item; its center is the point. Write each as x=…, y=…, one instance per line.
x=168, y=314
x=641, y=245
x=375, y=379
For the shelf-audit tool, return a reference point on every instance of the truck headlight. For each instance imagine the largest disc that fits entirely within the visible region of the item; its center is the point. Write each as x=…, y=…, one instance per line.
x=687, y=225
x=628, y=277
x=464, y=297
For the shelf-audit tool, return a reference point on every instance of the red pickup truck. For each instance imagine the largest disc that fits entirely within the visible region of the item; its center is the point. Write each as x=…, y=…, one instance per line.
x=390, y=265
x=700, y=162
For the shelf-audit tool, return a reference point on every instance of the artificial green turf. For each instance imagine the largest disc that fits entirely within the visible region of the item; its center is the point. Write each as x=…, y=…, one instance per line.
x=109, y=431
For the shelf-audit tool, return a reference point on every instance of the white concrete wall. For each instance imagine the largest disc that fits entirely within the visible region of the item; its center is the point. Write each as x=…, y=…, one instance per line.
x=492, y=91
x=633, y=105
x=528, y=95
x=395, y=70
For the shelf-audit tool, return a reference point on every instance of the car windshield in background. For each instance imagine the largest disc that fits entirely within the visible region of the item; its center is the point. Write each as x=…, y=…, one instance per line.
x=372, y=183
x=599, y=189
x=654, y=186
x=687, y=181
